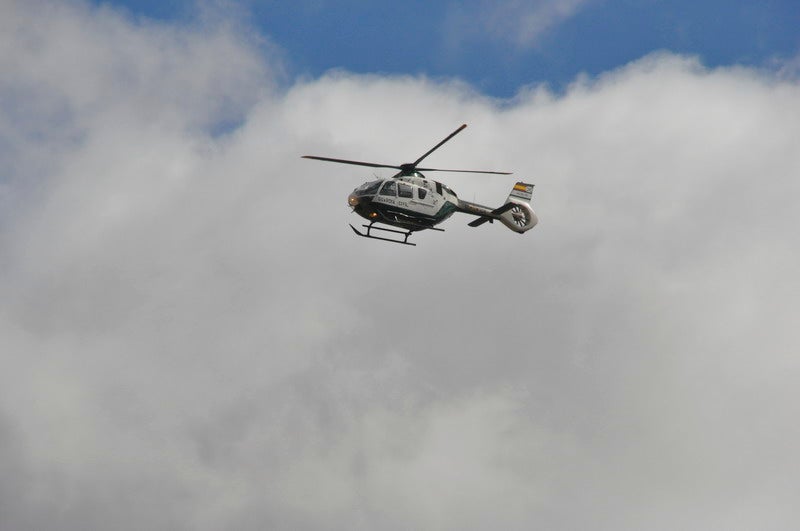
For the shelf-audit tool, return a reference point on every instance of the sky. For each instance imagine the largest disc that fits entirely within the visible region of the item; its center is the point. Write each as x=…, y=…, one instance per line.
x=501, y=46
x=192, y=338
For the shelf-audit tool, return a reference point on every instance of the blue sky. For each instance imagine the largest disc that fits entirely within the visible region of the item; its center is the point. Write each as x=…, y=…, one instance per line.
x=481, y=42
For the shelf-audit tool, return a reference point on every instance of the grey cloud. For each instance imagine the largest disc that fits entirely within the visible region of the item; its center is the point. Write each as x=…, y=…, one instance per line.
x=193, y=339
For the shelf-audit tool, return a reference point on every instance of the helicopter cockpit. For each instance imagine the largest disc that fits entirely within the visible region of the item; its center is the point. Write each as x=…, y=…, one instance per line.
x=370, y=188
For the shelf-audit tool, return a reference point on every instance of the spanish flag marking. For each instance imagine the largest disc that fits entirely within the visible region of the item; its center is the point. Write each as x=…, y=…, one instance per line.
x=520, y=187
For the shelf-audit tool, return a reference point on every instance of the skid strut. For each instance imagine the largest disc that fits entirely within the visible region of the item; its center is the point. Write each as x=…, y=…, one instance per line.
x=371, y=227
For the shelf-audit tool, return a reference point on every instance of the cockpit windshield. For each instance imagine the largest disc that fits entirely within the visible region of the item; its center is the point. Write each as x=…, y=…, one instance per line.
x=368, y=188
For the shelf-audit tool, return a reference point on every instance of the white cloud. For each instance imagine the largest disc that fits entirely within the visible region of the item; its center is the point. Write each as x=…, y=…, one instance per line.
x=516, y=22
x=787, y=68
x=192, y=338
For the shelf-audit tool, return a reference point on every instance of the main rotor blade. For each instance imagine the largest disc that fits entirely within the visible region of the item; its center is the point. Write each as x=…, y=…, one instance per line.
x=353, y=162
x=437, y=146
x=466, y=171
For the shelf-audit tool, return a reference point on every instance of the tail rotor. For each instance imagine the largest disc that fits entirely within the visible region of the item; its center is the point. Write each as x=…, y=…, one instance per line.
x=520, y=216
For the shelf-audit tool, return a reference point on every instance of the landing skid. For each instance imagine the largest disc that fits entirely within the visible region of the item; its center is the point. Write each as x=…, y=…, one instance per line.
x=371, y=226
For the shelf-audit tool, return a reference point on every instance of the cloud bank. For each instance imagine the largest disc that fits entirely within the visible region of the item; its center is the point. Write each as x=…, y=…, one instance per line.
x=192, y=338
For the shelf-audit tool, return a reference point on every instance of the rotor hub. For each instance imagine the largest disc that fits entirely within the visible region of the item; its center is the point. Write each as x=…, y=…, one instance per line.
x=407, y=169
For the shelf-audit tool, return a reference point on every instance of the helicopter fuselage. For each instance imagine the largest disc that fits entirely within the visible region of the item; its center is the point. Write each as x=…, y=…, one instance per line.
x=411, y=202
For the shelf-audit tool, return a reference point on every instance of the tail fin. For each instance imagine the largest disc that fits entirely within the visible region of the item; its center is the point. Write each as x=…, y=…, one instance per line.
x=519, y=216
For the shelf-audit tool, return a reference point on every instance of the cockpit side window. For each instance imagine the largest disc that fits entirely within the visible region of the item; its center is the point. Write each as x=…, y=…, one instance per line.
x=404, y=190
x=390, y=188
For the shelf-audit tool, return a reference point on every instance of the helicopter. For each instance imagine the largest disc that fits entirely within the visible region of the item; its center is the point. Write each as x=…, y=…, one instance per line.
x=411, y=202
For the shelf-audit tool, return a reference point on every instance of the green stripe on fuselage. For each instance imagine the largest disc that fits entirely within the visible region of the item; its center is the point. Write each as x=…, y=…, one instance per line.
x=386, y=211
